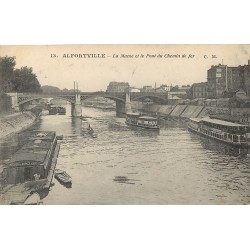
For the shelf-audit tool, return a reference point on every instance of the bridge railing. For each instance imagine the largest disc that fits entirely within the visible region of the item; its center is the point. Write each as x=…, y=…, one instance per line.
x=120, y=95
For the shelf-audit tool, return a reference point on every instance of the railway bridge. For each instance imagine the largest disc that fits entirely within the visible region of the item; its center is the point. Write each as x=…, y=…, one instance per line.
x=122, y=99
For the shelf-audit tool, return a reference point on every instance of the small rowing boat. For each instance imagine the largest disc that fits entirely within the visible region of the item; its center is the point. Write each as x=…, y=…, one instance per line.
x=94, y=135
x=63, y=177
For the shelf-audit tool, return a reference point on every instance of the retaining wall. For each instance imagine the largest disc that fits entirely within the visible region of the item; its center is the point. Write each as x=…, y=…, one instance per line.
x=15, y=123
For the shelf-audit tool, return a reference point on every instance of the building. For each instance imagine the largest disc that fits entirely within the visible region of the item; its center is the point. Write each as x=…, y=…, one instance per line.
x=246, y=76
x=184, y=88
x=118, y=87
x=199, y=90
x=134, y=90
x=222, y=79
x=179, y=94
x=240, y=99
x=216, y=78
x=147, y=89
x=163, y=88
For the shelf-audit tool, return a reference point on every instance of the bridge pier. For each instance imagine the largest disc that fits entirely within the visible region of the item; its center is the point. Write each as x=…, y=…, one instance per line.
x=128, y=108
x=122, y=108
x=76, y=108
x=14, y=101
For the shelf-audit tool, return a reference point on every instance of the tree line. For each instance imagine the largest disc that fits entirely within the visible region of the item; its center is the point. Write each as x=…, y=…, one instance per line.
x=17, y=80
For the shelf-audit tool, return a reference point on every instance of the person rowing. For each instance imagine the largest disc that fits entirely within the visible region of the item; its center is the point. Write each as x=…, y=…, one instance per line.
x=90, y=129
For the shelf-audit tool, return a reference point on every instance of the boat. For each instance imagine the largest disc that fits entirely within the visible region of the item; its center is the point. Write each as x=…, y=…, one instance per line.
x=54, y=110
x=231, y=133
x=59, y=137
x=94, y=135
x=33, y=161
x=90, y=130
x=31, y=168
x=61, y=110
x=143, y=121
x=63, y=177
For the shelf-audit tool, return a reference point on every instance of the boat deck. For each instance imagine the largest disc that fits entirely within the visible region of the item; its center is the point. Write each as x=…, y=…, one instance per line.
x=18, y=193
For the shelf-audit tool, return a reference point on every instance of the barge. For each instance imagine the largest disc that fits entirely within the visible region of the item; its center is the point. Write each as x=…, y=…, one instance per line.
x=136, y=119
x=234, y=134
x=31, y=168
x=54, y=110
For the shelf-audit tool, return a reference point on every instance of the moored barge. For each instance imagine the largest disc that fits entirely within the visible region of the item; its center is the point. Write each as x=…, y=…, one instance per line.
x=31, y=168
x=231, y=133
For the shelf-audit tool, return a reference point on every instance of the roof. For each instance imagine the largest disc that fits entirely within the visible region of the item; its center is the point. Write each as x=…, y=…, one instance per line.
x=133, y=114
x=28, y=156
x=147, y=118
x=175, y=98
x=33, y=151
x=223, y=123
x=226, y=117
x=195, y=119
x=43, y=135
x=200, y=84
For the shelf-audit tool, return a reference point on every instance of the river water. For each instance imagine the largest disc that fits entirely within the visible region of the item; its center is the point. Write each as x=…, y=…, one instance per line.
x=127, y=165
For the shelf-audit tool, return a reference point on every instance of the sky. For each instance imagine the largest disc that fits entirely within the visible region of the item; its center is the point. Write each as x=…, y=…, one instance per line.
x=137, y=64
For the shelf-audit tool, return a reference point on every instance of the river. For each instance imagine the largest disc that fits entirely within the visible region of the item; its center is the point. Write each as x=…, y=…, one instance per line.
x=127, y=165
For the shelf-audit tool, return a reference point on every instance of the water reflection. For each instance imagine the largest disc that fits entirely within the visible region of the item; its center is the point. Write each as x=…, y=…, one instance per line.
x=76, y=126
x=219, y=147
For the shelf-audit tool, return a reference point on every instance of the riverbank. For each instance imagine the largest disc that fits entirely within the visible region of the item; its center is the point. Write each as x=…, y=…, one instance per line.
x=180, y=111
x=14, y=123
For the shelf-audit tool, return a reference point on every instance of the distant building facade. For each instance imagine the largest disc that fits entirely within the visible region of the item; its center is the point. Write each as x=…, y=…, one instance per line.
x=177, y=95
x=163, y=88
x=134, y=90
x=246, y=76
x=200, y=90
x=147, y=89
x=118, y=87
x=222, y=78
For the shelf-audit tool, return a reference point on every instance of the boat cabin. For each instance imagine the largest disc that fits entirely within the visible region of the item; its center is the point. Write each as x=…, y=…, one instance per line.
x=132, y=117
x=224, y=126
x=144, y=121
x=194, y=123
x=222, y=130
x=147, y=121
x=32, y=162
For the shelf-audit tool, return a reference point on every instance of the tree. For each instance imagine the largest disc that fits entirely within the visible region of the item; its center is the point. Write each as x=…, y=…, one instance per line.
x=50, y=89
x=7, y=65
x=175, y=88
x=65, y=90
x=25, y=81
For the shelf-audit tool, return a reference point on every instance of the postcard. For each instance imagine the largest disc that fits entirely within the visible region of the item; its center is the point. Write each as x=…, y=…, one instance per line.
x=125, y=124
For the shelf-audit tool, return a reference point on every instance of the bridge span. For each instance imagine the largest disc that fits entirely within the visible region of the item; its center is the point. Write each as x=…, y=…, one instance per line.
x=122, y=99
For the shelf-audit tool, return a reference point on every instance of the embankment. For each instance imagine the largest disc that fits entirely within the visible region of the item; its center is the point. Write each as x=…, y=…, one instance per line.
x=182, y=111
x=16, y=122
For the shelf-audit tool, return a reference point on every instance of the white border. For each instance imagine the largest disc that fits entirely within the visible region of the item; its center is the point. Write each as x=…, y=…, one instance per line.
x=127, y=22
x=123, y=22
